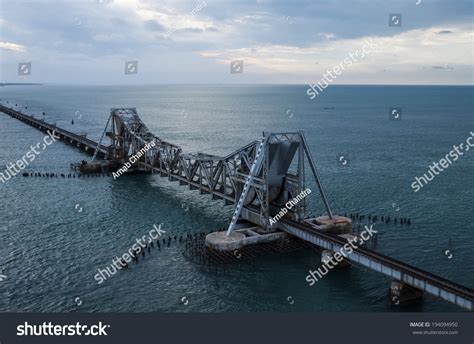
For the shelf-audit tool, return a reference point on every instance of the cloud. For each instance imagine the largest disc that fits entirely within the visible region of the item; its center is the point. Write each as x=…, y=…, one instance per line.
x=448, y=68
x=153, y=25
x=12, y=46
x=279, y=41
x=407, y=50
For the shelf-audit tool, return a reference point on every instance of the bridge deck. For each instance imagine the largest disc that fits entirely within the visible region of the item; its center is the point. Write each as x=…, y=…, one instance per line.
x=81, y=141
x=193, y=185
x=420, y=279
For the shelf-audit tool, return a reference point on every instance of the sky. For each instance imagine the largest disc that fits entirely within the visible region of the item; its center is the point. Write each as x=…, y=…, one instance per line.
x=196, y=42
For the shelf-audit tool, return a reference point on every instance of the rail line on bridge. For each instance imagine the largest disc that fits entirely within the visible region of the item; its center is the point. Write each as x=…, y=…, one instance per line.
x=259, y=179
x=413, y=276
x=80, y=141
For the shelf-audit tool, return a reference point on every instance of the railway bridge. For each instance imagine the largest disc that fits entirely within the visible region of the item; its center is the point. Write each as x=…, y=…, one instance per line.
x=259, y=179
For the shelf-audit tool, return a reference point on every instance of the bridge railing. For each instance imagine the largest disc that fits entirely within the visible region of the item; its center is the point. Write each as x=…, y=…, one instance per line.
x=418, y=278
x=53, y=127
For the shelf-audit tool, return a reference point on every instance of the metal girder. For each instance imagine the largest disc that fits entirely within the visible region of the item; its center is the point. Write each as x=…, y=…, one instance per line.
x=232, y=178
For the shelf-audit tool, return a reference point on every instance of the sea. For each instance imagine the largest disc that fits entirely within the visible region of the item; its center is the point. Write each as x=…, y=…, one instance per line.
x=55, y=233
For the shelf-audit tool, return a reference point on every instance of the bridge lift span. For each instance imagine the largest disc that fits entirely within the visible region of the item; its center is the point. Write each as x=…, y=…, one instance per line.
x=258, y=179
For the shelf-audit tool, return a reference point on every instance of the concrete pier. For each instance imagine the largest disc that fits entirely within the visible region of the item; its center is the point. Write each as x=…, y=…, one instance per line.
x=403, y=294
x=329, y=256
x=239, y=238
x=335, y=225
x=259, y=186
x=220, y=241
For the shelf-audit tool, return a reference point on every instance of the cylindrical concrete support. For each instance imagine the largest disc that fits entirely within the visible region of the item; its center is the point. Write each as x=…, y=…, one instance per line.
x=220, y=241
x=401, y=293
x=336, y=225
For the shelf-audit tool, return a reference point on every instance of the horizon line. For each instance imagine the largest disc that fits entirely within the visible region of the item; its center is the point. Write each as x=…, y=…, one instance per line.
x=217, y=84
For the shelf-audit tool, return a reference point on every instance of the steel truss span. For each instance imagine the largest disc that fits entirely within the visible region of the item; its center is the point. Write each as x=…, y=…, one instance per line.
x=259, y=179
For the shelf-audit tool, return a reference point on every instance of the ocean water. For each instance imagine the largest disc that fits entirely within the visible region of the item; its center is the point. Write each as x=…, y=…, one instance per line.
x=56, y=233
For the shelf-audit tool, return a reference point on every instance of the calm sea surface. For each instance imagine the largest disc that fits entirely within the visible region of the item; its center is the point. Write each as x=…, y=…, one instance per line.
x=50, y=251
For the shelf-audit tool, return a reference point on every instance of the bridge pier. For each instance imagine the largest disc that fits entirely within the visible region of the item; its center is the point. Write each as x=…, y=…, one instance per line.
x=239, y=238
x=403, y=294
x=331, y=256
x=220, y=241
x=267, y=194
x=338, y=225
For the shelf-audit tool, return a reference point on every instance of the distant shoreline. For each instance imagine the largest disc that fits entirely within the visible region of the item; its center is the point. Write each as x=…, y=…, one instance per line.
x=230, y=84
x=19, y=84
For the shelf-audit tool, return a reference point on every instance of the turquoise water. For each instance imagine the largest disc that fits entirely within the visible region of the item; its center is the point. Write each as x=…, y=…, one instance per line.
x=50, y=251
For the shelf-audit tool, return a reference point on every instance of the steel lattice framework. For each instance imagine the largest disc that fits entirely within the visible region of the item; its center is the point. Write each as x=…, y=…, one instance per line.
x=269, y=185
x=257, y=179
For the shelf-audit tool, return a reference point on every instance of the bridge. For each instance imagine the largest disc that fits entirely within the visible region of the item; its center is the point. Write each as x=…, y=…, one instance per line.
x=79, y=141
x=259, y=179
